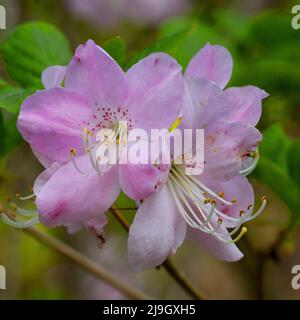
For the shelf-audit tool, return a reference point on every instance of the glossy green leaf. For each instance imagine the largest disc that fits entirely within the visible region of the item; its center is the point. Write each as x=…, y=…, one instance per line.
x=182, y=45
x=9, y=135
x=274, y=145
x=30, y=49
x=11, y=98
x=293, y=161
x=281, y=183
x=273, y=30
x=276, y=170
x=116, y=48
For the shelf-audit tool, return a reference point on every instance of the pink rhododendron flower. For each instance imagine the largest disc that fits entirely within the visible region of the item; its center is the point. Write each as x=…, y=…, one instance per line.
x=205, y=206
x=60, y=124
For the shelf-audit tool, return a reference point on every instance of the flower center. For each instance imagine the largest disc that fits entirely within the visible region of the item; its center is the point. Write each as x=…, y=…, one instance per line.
x=105, y=147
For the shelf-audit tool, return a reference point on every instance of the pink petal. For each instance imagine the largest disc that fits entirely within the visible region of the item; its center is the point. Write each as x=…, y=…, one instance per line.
x=156, y=233
x=156, y=86
x=73, y=228
x=142, y=180
x=53, y=76
x=70, y=197
x=139, y=180
x=44, y=177
x=237, y=188
x=218, y=248
x=93, y=73
x=213, y=63
x=51, y=122
x=230, y=140
x=204, y=103
x=219, y=167
x=96, y=227
x=97, y=224
x=245, y=104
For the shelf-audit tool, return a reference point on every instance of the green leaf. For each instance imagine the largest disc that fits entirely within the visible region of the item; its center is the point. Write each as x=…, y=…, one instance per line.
x=232, y=22
x=181, y=45
x=2, y=133
x=9, y=135
x=175, y=25
x=116, y=48
x=273, y=30
x=275, y=145
x=279, y=170
x=293, y=156
x=282, y=184
x=12, y=98
x=30, y=49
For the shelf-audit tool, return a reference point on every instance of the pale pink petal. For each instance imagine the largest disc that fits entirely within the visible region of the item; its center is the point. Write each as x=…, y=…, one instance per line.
x=142, y=180
x=43, y=159
x=95, y=226
x=204, y=103
x=53, y=76
x=44, y=177
x=156, y=86
x=213, y=63
x=237, y=188
x=73, y=228
x=156, y=233
x=71, y=197
x=219, y=167
x=51, y=122
x=216, y=247
x=233, y=140
x=245, y=104
x=93, y=73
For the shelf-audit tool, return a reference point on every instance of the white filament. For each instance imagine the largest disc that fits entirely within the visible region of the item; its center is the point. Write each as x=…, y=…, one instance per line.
x=188, y=194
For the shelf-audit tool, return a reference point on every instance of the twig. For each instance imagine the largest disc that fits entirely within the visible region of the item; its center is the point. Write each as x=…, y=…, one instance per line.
x=86, y=264
x=81, y=260
x=177, y=275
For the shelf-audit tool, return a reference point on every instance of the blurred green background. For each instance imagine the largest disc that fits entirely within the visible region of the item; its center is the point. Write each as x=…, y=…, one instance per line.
x=266, y=53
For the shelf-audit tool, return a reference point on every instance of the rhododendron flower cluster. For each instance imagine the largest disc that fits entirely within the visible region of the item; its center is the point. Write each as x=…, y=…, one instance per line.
x=93, y=93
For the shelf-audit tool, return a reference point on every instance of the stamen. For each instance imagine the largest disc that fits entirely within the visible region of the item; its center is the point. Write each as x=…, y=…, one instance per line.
x=27, y=213
x=30, y=197
x=190, y=191
x=203, y=187
x=243, y=231
x=259, y=211
x=252, y=166
x=11, y=218
x=185, y=188
x=199, y=225
x=73, y=155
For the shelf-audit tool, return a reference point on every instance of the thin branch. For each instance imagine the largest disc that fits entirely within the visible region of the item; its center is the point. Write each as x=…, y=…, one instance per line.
x=177, y=275
x=86, y=264
x=82, y=261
